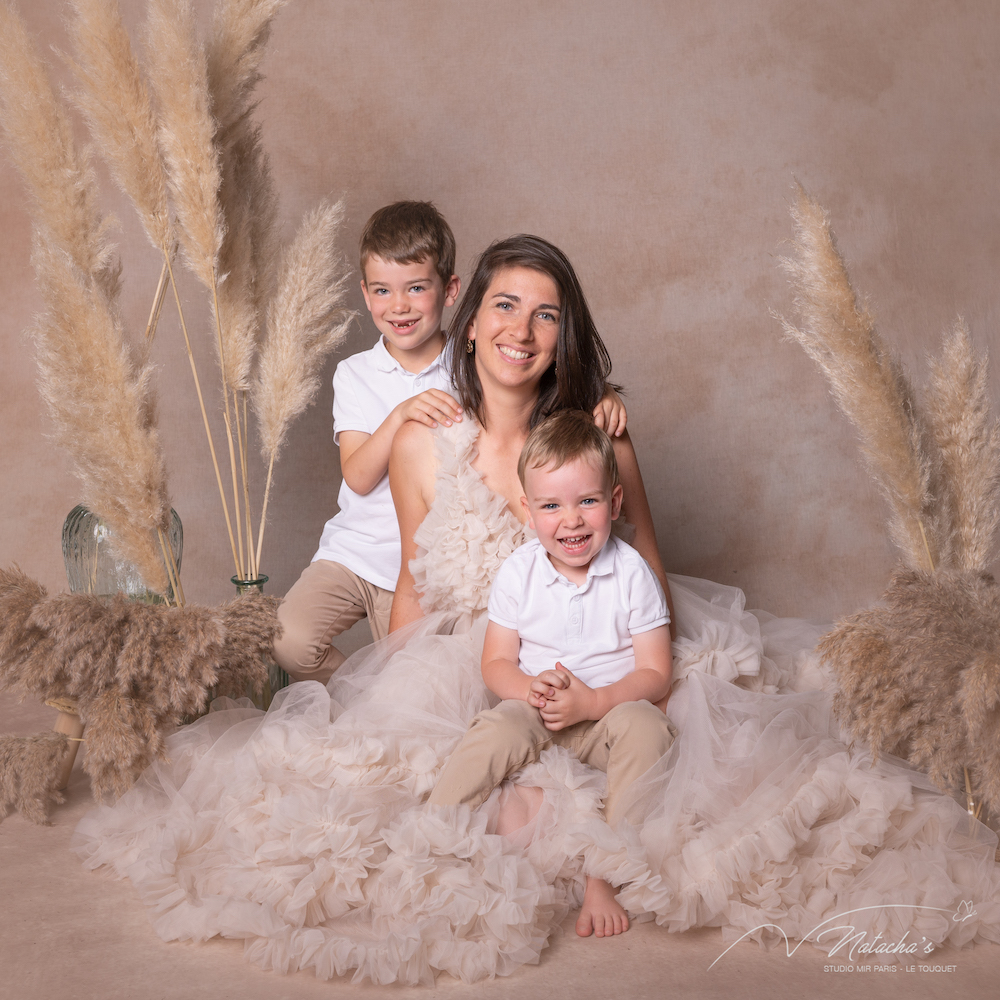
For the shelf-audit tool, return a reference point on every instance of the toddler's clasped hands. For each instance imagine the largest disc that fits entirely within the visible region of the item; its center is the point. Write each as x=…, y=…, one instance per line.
x=561, y=698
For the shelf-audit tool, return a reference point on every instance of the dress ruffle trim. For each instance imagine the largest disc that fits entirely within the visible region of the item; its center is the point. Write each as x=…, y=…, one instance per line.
x=468, y=532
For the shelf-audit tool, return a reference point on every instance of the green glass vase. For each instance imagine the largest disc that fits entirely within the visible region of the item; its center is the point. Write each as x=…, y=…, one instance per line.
x=276, y=677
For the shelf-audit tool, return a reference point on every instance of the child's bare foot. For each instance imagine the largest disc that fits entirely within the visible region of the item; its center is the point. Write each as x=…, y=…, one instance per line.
x=600, y=915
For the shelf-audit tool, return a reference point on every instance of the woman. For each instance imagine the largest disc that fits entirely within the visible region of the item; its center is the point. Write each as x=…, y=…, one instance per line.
x=303, y=831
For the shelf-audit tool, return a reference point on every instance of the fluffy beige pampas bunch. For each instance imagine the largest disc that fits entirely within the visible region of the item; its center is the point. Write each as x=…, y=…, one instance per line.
x=919, y=675
x=134, y=669
x=29, y=774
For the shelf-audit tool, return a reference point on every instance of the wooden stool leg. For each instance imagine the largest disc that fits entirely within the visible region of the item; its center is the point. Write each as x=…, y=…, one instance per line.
x=70, y=723
x=73, y=728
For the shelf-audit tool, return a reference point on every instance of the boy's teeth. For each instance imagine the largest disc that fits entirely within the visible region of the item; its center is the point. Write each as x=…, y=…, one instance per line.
x=516, y=355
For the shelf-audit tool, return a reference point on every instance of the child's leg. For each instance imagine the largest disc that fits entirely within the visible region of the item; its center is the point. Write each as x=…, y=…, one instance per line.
x=626, y=743
x=499, y=742
x=327, y=599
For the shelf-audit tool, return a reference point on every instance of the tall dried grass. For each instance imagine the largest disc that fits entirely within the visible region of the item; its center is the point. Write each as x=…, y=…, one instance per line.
x=179, y=77
x=868, y=383
x=306, y=321
x=193, y=164
x=249, y=254
x=249, y=203
x=100, y=403
x=99, y=398
x=39, y=140
x=919, y=675
x=115, y=101
x=969, y=442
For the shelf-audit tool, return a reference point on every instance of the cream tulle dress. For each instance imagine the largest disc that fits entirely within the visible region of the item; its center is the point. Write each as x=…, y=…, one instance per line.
x=302, y=831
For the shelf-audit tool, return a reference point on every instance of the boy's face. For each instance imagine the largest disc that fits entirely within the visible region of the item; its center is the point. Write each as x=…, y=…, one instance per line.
x=406, y=300
x=571, y=508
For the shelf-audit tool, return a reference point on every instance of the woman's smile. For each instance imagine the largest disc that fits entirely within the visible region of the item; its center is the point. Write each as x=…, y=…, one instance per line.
x=516, y=328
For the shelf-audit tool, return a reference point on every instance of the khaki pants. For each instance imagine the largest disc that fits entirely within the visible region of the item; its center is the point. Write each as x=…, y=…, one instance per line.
x=625, y=744
x=327, y=599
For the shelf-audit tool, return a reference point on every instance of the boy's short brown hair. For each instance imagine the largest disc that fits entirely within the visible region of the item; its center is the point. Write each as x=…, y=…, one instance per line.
x=407, y=232
x=564, y=436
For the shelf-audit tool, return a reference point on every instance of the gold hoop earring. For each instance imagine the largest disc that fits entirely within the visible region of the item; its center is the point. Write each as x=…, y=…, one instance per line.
x=470, y=346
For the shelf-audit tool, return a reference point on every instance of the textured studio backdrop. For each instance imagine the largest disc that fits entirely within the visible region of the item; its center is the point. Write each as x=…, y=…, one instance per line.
x=657, y=144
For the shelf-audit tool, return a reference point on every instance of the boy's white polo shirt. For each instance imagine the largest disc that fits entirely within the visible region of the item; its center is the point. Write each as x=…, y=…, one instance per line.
x=588, y=629
x=367, y=387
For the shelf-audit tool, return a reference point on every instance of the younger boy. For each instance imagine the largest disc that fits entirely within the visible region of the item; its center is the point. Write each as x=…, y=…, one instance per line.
x=408, y=279
x=577, y=643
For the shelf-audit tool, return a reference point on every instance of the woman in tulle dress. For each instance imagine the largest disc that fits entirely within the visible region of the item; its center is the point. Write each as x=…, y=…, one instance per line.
x=304, y=833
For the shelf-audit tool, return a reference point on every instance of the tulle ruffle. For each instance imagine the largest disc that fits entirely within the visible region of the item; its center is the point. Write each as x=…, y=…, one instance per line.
x=302, y=832
x=468, y=531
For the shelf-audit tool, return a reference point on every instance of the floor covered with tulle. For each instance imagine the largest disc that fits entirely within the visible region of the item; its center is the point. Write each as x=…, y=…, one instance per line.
x=67, y=932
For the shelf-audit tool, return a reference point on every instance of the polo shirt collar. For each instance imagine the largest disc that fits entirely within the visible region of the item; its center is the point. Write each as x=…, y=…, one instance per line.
x=603, y=565
x=385, y=362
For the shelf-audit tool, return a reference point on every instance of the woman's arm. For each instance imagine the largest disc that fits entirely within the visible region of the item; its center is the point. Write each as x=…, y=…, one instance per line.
x=411, y=480
x=635, y=509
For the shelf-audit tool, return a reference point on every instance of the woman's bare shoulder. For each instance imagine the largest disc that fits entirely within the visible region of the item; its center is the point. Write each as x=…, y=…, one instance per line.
x=413, y=440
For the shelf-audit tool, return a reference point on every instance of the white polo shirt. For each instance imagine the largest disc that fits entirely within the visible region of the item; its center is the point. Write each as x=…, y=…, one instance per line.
x=588, y=629
x=367, y=387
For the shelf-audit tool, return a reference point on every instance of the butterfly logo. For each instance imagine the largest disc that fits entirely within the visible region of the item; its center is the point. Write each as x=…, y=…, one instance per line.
x=963, y=912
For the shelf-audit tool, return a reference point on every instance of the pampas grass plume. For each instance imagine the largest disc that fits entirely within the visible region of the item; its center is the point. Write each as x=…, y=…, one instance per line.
x=101, y=406
x=116, y=103
x=178, y=74
x=248, y=201
x=869, y=385
x=969, y=441
x=306, y=322
x=29, y=772
x=134, y=669
x=40, y=142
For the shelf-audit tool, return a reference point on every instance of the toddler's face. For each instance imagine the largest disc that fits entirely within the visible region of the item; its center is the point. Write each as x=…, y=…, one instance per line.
x=571, y=508
x=406, y=300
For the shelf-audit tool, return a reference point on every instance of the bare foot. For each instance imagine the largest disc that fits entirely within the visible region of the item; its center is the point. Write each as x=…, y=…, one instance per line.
x=600, y=915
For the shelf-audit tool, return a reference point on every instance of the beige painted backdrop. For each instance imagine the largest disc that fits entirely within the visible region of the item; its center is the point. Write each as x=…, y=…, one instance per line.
x=657, y=143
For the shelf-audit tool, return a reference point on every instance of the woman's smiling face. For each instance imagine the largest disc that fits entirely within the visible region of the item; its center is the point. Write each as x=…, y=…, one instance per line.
x=516, y=327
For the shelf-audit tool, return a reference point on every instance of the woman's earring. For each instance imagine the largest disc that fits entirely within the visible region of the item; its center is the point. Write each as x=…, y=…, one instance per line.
x=469, y=346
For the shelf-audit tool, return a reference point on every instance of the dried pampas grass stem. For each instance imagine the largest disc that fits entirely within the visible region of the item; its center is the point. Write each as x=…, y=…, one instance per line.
x=306, y=322
x=969, y=441
x=40, y=141
x=868, y=383
x=115, y=101
x=178, y=75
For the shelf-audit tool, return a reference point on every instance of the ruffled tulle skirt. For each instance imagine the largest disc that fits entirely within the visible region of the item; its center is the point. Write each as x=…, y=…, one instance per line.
x=303, y=832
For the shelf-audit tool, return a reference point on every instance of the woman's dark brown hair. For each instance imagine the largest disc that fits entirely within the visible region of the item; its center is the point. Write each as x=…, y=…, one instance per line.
x=582, y=359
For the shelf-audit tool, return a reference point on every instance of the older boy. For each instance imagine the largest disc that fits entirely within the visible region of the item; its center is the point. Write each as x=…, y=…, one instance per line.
x=408, y=279
x=577, y=643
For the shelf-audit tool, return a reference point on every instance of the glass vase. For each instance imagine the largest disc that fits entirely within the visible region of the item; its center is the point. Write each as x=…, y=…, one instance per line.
x=94, y=567
x=276, y=677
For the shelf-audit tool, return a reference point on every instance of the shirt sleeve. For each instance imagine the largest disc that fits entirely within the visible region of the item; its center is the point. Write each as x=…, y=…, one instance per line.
x=348, y=414
x=647, y=604
x=503, y=603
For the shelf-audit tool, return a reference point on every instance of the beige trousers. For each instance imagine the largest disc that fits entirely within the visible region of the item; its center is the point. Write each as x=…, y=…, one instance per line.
x=327, y=599
x=625, y=744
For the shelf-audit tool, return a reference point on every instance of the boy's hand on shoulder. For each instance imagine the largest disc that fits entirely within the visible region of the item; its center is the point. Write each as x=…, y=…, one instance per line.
x=572, y=703
x=610, y=415
x=430, y=407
